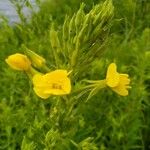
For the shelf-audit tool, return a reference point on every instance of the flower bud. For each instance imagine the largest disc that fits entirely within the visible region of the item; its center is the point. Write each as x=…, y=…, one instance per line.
x=18, y=62
x=37, y=60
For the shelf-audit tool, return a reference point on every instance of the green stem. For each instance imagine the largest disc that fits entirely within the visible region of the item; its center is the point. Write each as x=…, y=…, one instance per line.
x=31, y=72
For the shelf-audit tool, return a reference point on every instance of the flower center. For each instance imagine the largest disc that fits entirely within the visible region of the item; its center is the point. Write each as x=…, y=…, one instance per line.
x=56, y=86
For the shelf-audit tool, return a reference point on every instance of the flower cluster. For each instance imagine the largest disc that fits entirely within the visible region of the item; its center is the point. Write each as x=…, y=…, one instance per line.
x=54, y=82
x=58, y=82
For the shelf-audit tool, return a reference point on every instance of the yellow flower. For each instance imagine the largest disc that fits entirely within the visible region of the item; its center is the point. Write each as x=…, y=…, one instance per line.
x=18, y=62
x=116, y=81
x=52, y=83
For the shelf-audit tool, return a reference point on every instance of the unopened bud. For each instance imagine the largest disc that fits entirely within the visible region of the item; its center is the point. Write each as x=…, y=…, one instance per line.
x=18, y=62
x=36, y=60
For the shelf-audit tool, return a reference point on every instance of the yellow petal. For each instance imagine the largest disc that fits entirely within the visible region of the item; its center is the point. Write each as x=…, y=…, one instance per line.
x=122, y=87
x=40, y=82
x=55, y=92
x=57, y=74
x=124, y=79
x=112, y=77
x=37, y=79
x=39, y=87
x=18, y=62
x=65, y=85
x=121, y=91
x=58, y=77
x=41, y=93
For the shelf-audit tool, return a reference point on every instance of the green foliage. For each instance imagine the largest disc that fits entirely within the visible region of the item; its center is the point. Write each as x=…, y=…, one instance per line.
x=82, y=37
x=86, y=41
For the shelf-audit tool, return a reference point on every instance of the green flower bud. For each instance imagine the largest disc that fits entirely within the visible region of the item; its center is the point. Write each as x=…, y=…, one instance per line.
x=36, y=60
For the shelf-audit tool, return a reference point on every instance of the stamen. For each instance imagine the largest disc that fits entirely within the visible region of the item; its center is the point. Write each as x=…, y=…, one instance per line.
x=56, y=86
